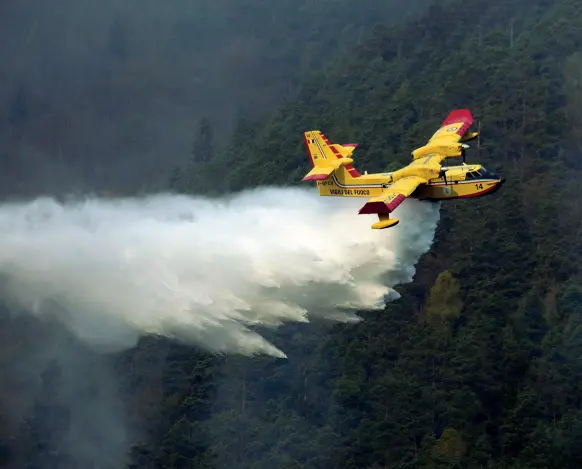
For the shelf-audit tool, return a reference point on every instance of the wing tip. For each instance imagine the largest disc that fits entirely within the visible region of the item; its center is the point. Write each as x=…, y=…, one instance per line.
x=381, y=208
x=316, y=177
x=463, y=115
x=378, y=207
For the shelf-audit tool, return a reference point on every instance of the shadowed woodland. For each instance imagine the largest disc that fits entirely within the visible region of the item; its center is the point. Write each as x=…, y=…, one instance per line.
x=477, y=365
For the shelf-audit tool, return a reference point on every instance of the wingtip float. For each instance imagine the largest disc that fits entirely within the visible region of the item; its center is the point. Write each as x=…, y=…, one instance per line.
x=385, y=222
x=424, y=178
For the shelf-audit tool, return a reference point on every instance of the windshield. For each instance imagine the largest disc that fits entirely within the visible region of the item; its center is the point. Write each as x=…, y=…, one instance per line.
x=482, y=172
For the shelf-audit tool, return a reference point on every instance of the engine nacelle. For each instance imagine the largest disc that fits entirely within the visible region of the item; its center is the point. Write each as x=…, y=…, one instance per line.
x=450, y=151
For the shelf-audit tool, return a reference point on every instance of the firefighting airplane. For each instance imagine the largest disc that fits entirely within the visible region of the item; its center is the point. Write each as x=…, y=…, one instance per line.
x=424, y=178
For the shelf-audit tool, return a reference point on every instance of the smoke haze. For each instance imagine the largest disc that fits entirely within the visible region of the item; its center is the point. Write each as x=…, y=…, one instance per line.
x=83, y=82
x=204, y=271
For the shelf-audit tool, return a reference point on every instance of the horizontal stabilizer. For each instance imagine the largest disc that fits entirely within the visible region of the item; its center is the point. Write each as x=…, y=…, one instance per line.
x=322, y=171
x=319, y=173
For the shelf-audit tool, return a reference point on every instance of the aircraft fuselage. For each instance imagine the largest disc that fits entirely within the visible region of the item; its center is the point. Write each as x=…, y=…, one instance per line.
x=462, y=181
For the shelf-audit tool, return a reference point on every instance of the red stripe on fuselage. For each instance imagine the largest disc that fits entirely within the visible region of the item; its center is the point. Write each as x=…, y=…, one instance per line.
x=478, y=194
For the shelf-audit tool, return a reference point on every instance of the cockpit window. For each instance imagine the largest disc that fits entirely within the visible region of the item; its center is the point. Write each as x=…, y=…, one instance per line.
x=488, y=174
x=477, y=173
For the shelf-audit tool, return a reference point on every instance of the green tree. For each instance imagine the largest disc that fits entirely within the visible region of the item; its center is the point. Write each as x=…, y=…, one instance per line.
x=203, y=147
x=444, y=300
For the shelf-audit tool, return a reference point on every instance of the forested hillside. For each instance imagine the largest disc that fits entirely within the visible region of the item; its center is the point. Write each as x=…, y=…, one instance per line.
x=107, y=95
x=477, y=364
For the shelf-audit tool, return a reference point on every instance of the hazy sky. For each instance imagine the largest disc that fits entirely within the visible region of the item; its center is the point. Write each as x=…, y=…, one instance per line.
x=108, y=94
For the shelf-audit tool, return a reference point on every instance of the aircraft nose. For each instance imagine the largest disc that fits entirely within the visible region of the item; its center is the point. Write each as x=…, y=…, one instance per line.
x=498, y=185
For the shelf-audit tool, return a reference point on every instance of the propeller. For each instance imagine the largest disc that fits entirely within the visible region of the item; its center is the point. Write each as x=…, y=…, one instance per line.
x=443, y=174
x=464, y=147
x=479, y=145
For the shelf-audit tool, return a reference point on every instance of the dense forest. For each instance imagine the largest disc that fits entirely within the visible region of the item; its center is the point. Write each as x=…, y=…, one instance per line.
x=477, y=365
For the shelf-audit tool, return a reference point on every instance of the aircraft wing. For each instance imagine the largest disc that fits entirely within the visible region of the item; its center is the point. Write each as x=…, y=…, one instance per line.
x=445, y=142
x=393, y=196
x=454, y=127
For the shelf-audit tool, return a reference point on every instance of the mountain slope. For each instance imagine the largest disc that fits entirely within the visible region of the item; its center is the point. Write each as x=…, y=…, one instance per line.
x=477, y=364
x=492, y=384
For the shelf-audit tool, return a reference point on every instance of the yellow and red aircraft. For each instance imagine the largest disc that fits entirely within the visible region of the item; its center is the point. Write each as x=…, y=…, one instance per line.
x=425, y=178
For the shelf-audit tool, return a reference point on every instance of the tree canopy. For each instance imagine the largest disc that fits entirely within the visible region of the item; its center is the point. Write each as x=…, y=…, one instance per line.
x=477, y=364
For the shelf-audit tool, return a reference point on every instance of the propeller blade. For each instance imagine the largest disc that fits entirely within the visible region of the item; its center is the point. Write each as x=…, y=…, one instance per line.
x=479, y=138
x=443, y=174
x=464, y=147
